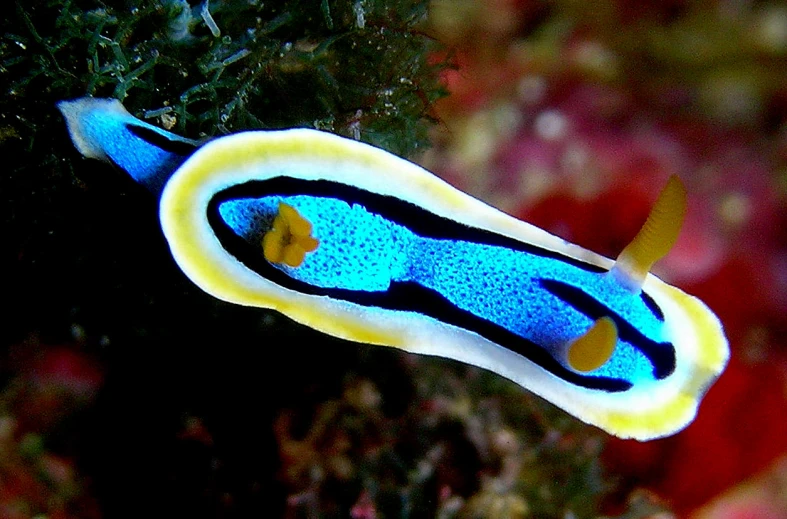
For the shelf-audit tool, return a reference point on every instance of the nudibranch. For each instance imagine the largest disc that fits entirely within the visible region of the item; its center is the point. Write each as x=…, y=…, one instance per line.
x=366, y=246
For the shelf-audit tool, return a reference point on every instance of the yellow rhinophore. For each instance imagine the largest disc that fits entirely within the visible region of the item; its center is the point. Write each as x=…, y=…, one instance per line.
x=655, y=239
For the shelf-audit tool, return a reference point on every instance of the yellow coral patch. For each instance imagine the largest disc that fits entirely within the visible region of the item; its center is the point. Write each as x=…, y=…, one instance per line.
x=289, y=239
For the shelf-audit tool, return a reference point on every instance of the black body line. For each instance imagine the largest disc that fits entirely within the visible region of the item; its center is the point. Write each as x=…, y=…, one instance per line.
x=409, y=215
x=652, y=306
x=661, y=355
x=177, y=146
x=401, y=296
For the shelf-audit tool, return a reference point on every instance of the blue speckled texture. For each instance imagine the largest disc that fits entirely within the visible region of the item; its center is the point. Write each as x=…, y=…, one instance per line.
x=103, y=125
x=363, y=251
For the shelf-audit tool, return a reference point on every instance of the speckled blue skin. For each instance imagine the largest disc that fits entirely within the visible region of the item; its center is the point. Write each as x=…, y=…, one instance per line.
x=362, y=251
x=104, y=129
